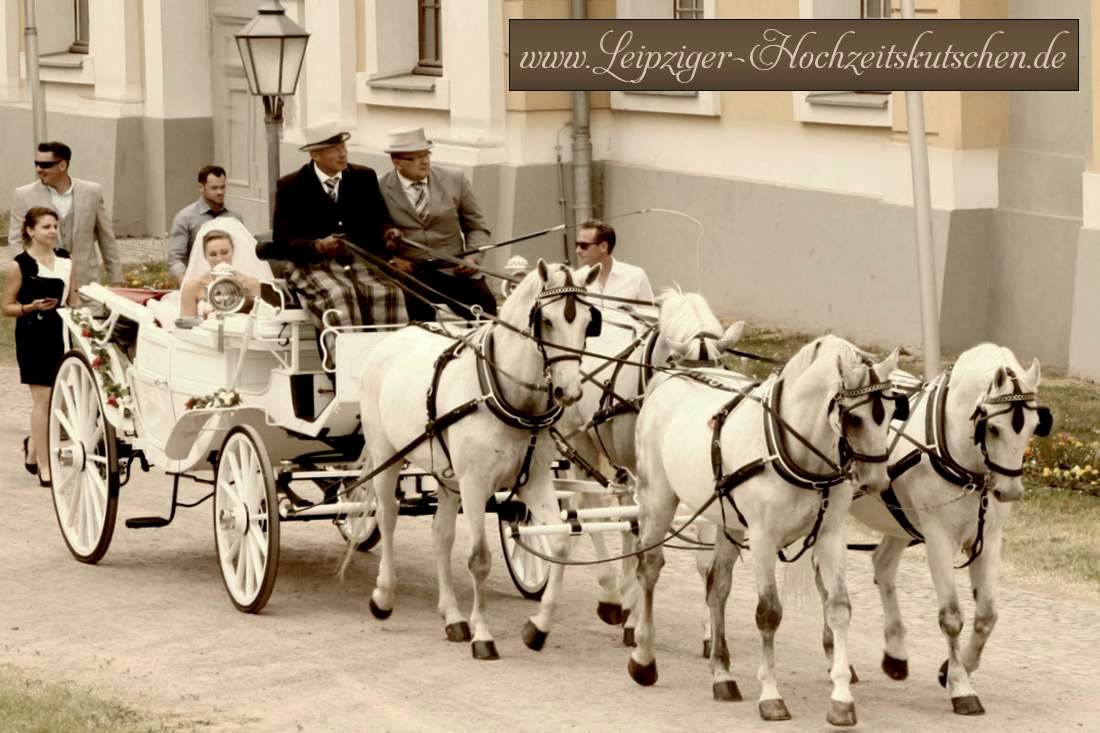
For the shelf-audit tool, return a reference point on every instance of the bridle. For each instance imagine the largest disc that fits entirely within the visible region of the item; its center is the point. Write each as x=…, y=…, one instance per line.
x=572, y=294
x=1016, y=402
x=875, y=392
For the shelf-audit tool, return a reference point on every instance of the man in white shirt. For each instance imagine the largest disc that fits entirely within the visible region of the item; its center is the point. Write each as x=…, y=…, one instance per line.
x=595, y=243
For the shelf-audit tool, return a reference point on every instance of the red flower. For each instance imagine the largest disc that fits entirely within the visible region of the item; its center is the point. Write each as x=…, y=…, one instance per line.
x=112, y=401
x=190, y=403
x=85, y=333
x=97, y=363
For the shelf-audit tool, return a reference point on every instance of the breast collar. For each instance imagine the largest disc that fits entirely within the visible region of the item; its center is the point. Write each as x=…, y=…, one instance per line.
x=935, y=431
x=783, y=463
x=489, y=381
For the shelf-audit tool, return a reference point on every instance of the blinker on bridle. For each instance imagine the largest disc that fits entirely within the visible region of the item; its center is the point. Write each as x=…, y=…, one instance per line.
x=572, y=294
x=875, y=394
x=1017, y=402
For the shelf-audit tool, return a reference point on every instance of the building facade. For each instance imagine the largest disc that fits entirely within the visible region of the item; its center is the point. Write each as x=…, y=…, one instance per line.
x=803, y=200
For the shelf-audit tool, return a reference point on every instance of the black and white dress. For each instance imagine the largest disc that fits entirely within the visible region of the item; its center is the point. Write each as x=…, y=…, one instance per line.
x=39, y=341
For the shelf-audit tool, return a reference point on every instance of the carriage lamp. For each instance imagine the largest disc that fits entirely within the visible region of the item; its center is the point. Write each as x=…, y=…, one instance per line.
x=272, y=48
x=226, y=295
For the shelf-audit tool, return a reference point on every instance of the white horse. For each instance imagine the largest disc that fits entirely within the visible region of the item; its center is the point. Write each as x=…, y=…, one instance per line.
x=687, y=332
x=774, y=482
x=971, y=426
x=513, y=386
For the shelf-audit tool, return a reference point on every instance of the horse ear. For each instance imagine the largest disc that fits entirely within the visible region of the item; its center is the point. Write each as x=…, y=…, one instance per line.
x=1033, y=375
x=887, y=366
x=999, y=378
x=593, y=273
x=679, y=348
x=544, y=271
x=731, y=336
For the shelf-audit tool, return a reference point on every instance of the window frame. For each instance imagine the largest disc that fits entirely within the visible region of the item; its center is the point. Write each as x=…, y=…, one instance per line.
x=688, y=10
x=426, y=64
x=81, y=16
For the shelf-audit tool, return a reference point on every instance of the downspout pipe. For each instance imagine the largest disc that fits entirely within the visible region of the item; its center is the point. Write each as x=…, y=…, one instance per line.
x=582, y=142
x=38, y=103
x=922, y=211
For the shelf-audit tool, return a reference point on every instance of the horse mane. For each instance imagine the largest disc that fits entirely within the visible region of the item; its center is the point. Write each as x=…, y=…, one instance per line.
x=982, y=361
x=824, y=347
x=684, y=315
x=517, y=306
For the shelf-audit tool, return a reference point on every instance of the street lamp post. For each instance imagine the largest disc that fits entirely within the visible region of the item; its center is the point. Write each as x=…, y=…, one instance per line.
x=272, y=48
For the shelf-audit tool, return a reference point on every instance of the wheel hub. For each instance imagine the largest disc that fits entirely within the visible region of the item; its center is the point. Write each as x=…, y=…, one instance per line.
x=234, y=520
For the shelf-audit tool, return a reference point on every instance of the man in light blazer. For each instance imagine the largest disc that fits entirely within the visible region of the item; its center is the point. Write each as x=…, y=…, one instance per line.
x=434, y=207
x=81, y=213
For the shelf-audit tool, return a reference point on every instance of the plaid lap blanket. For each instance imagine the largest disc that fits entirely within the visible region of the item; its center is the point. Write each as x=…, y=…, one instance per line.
x=360, y=296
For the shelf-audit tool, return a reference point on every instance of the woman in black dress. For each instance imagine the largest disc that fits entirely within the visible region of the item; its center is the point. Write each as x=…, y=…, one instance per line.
x=35, y=285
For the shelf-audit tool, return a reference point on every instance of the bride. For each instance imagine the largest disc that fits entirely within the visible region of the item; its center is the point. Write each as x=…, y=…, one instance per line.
x=221, y=243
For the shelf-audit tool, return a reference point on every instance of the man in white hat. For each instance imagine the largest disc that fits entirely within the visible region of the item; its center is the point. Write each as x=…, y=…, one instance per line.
x=326, y=201
x=434, y=207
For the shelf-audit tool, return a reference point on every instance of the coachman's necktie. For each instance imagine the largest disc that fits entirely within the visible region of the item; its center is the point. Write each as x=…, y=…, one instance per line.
x=421, y=202
x=330, y=187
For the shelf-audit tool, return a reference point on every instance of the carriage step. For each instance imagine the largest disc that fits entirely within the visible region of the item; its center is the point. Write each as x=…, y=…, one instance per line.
x=147, y=522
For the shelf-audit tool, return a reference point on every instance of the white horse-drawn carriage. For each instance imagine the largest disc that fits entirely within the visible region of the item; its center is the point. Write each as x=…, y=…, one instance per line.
x=240, y=402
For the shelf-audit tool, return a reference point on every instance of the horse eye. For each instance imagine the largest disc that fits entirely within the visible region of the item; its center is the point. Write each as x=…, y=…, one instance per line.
x=853, y=420
x=546, y=323
x=994, y=431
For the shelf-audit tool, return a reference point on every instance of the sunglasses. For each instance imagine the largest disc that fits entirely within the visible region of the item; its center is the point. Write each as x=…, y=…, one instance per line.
x=585, y=245
x=45, y=163
x=419, y=156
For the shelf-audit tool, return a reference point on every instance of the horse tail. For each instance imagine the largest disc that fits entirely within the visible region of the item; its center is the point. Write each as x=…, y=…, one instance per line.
x=799, y=586
x=352, y=540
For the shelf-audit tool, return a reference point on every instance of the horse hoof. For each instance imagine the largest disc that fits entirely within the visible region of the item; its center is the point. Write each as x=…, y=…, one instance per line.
x=774, y=710
x=706, y=648
x=855, y=677
x=895, y=669
x=841, y=713
x=644, y=675
x=628, y=637
x=726, y=691
x=378, y=612
x=967, y=705
x=943, y=674
x=458, y=632
x=610, y=613
x=533, y=637
x=484, y=650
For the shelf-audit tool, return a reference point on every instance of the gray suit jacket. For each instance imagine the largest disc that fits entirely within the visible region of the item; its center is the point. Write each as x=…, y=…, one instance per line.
x=453, y=212
x=91, y=225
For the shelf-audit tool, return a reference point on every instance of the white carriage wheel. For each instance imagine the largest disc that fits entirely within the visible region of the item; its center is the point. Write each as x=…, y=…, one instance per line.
x=530, y=573
x=83, y=460
x=246, y=520
x=362, y=528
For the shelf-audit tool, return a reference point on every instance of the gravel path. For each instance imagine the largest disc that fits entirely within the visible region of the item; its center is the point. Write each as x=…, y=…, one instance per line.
x=152, y=625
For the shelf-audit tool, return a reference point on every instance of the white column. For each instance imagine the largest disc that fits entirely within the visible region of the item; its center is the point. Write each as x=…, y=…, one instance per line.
x=115, y=31
x=330, y=64
x=177, y=59
x=473, y=61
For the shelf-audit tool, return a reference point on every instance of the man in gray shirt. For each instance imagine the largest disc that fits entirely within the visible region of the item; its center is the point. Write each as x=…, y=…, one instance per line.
x=211, y=204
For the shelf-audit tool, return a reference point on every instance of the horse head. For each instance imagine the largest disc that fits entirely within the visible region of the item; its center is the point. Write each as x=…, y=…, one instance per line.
x=860, y=414
x=1004, y=417
x=550, y=306
x=691, y=330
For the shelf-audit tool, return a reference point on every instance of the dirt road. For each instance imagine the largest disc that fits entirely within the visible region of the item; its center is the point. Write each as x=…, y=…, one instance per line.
x=152, y=624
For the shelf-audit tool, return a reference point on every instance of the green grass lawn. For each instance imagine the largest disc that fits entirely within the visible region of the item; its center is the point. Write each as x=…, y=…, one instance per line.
x=30, y=705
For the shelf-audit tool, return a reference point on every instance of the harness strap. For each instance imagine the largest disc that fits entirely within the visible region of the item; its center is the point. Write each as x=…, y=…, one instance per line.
x=784, y=466
x=935, y=429
x=574, y=457
x=432, y=429
x=441, y=424
x=811, y=538
x=893, y=504
x=979, y=537
x=724, y=484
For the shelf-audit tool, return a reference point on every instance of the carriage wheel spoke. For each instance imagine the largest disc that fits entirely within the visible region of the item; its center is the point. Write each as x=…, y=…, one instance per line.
x=63, y=486
x=63, y=418
x=97, y=492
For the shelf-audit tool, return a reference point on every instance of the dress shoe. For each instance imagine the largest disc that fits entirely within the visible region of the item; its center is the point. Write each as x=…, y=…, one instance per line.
x=32, y=468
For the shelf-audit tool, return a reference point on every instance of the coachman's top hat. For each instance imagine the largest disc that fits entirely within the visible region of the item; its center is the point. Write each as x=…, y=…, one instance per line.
x=408, y=140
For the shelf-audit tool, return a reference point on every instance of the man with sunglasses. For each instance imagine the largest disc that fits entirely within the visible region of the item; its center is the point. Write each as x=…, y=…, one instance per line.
x=595, y=243
x=81, y=213
x=434, y=207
